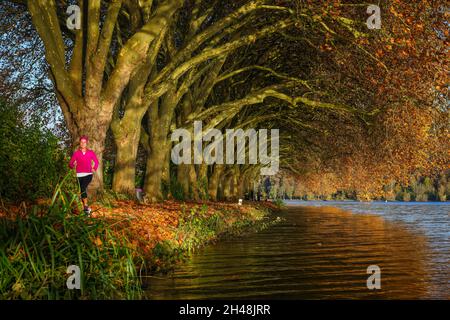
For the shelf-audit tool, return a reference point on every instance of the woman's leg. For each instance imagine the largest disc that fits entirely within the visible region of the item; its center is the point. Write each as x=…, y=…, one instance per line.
x=84, y=182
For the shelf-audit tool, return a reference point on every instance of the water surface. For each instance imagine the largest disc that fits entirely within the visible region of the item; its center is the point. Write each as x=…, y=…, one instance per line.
x=322, y=251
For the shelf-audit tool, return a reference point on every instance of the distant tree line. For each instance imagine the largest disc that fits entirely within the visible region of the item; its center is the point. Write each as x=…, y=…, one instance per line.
x=419, y=188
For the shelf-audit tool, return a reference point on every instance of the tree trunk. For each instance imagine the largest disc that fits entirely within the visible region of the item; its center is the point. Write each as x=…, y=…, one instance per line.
x=183, y=179
x=156, y=159
x=226, y=187
x=154, y=171
x=234, y=186
x=166, y=164
x=240, y=186
x=213, y=184
x=127, y=143
x=160, y=118
x=187, y=178
x=202, y=178
x=165, y=175
x=193, y=182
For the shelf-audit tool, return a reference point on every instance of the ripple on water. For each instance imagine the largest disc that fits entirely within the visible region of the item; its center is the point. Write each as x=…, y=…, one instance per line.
x=321, y=253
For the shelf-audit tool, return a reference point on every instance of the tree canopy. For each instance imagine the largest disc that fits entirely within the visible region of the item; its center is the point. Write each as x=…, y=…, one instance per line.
x=356, y=107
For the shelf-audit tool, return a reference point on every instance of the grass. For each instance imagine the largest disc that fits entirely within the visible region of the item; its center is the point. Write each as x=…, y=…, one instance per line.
x=279, y=203
x=37, y=249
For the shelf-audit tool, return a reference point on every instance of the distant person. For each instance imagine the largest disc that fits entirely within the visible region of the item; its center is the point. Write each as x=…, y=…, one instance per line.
x=86, y=163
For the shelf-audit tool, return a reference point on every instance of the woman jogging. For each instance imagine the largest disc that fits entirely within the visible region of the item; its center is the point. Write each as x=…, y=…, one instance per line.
x=82, y=160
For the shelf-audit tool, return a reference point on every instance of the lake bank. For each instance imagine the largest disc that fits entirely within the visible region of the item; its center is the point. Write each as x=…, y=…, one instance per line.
x=164, y=233
x=321, y=253
x=119, y=243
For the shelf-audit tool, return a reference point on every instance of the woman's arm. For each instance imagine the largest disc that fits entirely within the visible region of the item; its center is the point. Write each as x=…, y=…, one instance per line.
x=73, y=160
x=94, y=157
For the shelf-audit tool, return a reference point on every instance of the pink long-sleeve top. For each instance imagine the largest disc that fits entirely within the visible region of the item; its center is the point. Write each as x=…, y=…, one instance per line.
x=84, y=161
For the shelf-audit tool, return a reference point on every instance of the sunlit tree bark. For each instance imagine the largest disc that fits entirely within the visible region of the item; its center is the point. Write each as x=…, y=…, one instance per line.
x=87, y=100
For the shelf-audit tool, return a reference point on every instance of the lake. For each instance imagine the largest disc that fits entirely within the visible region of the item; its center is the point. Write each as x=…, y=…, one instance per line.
x=321, y=250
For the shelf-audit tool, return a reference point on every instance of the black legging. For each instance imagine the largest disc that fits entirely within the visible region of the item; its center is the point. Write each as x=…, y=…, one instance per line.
x=84, y=182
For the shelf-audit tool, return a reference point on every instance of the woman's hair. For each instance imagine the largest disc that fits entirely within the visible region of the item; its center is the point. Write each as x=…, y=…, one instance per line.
x=84, y=137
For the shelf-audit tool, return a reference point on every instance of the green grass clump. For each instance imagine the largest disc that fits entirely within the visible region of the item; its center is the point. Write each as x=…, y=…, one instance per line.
x=279, y=203
x=36, y=250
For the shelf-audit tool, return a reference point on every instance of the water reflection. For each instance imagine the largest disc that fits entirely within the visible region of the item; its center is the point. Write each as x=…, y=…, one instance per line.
x=317, y=253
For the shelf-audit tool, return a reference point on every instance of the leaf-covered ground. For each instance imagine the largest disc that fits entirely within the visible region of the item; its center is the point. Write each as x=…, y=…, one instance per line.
x=182, y=225
x=151, y=224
